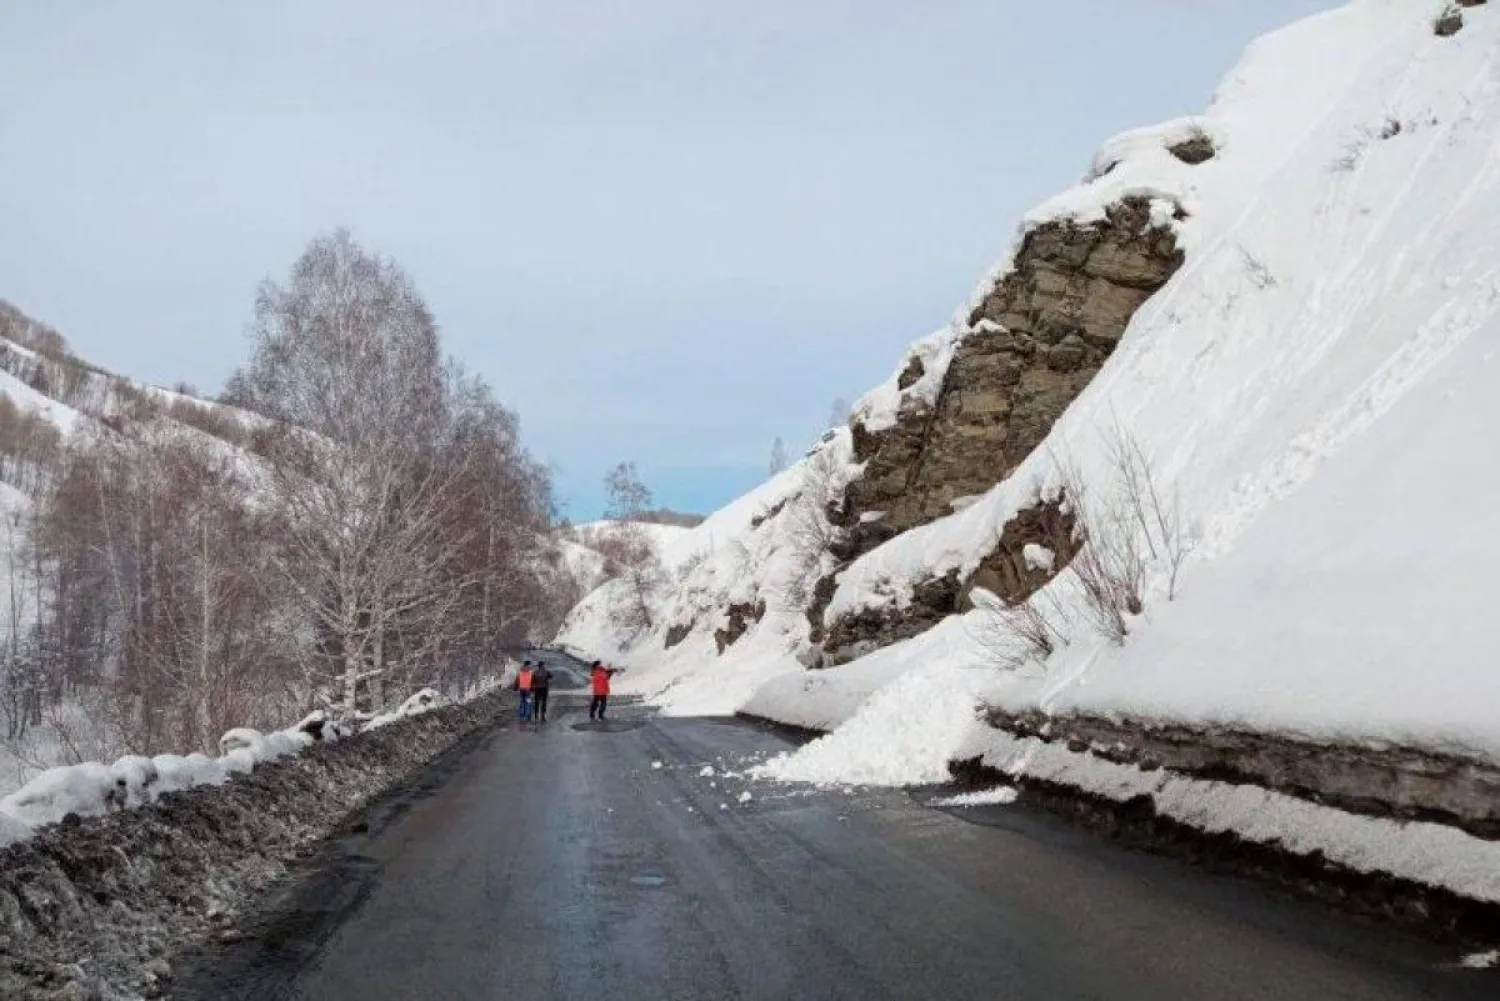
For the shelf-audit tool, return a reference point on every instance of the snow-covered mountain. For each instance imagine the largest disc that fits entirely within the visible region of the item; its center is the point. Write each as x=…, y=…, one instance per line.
x=1209, y=448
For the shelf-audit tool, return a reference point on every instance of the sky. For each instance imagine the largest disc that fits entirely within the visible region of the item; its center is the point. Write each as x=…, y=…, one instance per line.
x=665, y=231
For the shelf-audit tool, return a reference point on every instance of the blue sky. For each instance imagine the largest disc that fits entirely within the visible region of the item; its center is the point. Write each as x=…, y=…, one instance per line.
x=667, y=231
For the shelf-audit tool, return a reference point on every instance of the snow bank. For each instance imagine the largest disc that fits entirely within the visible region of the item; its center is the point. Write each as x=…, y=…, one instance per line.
x=93, y=789
x=108, y=896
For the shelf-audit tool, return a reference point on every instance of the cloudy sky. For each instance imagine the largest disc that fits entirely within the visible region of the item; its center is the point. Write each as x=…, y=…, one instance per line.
x=664, y=230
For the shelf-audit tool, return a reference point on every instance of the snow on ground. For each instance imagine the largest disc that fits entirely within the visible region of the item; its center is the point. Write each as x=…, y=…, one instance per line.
x=1315, y=388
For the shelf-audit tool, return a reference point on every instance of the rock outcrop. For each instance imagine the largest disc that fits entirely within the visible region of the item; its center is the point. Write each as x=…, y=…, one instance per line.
x=1031, y=346
x=740, y=617
x=1006, y=572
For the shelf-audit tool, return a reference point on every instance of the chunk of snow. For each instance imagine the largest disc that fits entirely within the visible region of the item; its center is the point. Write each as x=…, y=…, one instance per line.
x=1000, y=795
x=656, y=765
x=1038, y=557
x=177, y=772
x=141, y=777
x=241, y=738
x=89, y=790
x=707, y=772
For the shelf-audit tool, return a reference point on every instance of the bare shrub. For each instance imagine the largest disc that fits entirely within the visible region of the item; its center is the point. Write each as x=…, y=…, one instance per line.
x=1154, y=509
x=1136, y=526
x=1020, y=634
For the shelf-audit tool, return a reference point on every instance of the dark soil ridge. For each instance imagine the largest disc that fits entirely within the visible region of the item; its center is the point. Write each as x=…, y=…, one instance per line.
x=93, y=908
x=1391, y=782
x=1433, y=912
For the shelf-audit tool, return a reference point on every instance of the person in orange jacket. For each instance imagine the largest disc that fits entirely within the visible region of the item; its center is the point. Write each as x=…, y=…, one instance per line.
x=523, y=685
x=599, y=687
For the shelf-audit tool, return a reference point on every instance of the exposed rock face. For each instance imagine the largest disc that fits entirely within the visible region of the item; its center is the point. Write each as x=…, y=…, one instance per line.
x=1194, y=150
x=1034, y=342
x=677, y=633
x=869, y=629
x=1005, y=572
x=740, y=617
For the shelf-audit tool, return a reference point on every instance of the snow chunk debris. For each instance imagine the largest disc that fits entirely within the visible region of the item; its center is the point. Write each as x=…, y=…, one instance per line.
x=657, y=765
x=706, y=772
x=1000, y=795
x=1038, y=557
x=89, y=790
x=904, y=735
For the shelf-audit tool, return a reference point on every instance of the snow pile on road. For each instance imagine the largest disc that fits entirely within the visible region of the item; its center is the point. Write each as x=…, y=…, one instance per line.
x=1313, y=392
x=905, y=734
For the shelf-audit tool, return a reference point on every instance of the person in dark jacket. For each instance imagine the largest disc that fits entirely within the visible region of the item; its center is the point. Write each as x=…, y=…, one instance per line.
x=599, y=689
x=541, y=682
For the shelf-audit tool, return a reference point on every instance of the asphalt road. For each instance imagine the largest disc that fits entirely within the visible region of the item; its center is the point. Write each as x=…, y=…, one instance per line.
x=560, y=862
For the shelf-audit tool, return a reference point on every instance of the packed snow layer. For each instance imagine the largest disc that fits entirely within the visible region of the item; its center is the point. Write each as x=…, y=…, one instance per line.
x=1432, y=854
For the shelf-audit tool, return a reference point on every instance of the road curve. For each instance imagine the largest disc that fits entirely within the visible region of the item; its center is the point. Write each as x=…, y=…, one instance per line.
x=559, y=862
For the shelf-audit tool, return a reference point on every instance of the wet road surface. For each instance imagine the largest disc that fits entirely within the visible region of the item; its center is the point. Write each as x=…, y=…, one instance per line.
x=560, y=862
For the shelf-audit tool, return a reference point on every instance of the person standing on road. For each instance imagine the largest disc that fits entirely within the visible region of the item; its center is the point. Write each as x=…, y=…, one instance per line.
x=541, y=681
x=525, y=681
x=599, y=687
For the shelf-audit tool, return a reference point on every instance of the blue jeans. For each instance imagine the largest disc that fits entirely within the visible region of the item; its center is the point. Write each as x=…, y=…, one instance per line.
x=525, y=709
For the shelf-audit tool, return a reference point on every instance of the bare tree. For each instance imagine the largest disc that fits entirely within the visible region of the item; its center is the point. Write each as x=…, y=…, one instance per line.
x=778, y=456
x=346, y=357
x=629, y=497
x=808, y=531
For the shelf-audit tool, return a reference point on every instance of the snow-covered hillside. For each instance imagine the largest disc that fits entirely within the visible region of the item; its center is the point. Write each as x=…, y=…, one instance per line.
x=1310, y=395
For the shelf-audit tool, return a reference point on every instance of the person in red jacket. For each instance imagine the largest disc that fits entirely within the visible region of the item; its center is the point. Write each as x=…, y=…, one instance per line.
x=599, y=684
x=523, y=686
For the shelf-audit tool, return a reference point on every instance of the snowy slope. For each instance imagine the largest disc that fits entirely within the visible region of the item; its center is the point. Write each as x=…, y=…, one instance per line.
x=1314, y=387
